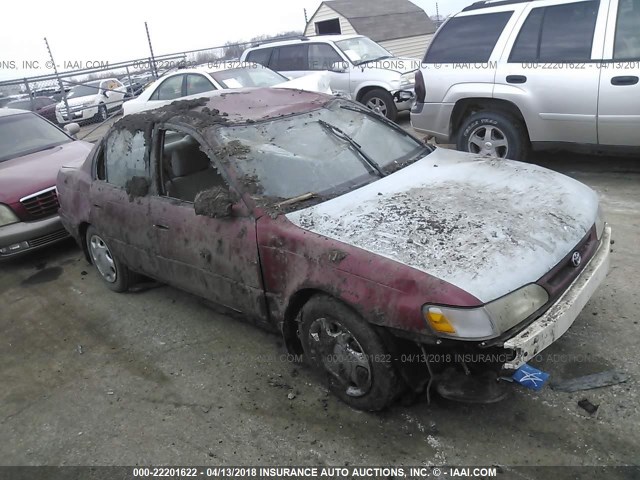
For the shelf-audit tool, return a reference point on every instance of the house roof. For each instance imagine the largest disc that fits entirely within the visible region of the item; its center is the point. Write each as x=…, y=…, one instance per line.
x=383, y=20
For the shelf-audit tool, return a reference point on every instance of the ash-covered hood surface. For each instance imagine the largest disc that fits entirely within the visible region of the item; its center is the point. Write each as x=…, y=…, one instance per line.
x=486, y=226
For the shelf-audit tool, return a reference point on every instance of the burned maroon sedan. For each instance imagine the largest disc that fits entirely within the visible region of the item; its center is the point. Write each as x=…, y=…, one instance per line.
x=389, y=264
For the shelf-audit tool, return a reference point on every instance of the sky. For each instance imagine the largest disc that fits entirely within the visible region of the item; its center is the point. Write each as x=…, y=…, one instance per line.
x=100, y=32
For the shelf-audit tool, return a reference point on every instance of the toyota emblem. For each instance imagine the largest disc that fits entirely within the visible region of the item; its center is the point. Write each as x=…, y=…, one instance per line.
x=576, y=259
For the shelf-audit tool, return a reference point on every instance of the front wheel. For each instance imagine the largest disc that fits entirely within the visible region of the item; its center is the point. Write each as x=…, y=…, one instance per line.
x=339, y=344
x=493, y=134
x=103, y=114
x=113, y=273
x=381, y=102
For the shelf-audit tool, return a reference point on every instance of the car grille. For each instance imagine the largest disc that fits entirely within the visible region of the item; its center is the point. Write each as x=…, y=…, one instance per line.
x=49, y=238
x=42, y=204
x=561, y=276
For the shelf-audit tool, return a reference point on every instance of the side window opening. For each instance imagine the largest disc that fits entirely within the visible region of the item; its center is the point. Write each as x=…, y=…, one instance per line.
x=559, y=33
x=467, y=39
x=260, y=56
x=186, y=169
x=170, y=89
x=125, y=154
x=627, y=40
x=322, y=56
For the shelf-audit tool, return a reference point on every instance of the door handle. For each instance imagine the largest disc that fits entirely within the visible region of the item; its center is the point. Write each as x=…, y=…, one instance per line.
x=516, y=79
x=628, y=80
x=160, y=227
x=97, y=206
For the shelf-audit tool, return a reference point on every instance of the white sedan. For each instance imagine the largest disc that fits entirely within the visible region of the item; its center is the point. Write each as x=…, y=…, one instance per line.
x=195, y=81
x=91, y=101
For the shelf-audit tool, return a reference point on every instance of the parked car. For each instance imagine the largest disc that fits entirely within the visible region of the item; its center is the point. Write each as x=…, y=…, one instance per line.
x=32, y=150
x=11, y=98
x=360, y=69
x=501, y=77
x=92, y=101
x=135, y=84
x=191, y=83
x=43, y=106
x=363, y=246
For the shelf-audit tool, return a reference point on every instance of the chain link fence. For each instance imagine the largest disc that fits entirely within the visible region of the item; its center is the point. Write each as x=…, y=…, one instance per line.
x=92, y=96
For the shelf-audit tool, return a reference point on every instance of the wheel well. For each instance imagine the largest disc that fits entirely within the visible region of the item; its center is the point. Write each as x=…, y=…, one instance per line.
x=469, y=106
x=364, y=90
x=290, y=325
x=84, y=226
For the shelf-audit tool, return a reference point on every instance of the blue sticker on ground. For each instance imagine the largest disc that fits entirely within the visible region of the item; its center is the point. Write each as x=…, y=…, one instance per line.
x=530, y=377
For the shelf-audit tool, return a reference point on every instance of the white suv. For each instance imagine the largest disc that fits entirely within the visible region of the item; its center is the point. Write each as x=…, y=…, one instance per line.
x=359, y=68
x=500, y=77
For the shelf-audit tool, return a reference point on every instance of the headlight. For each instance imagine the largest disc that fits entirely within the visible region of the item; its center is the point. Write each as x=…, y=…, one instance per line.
x=488, y=321
x=7, y=217
x=408, y=79
x=599, y=223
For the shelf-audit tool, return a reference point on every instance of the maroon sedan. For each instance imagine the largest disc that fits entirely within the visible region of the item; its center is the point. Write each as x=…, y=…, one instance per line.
x=32, y=150
x=43, y=106
x=387, y=263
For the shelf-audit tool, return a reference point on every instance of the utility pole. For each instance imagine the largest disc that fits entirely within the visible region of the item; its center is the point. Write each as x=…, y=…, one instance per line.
x=154, y=70
x=437, y=15
x=55, y=70
x=305, y=17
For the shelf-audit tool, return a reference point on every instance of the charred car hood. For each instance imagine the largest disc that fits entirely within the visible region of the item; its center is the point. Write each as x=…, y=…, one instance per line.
x=486, y=226
x=31, y=173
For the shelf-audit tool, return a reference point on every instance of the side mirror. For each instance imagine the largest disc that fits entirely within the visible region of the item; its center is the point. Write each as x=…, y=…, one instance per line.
x=215, y=203
x=105, y=93
x=72, y=129
x=339, y=67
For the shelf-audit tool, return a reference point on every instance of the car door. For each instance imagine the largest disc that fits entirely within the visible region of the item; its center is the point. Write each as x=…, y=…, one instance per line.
x=215, y=258
x=619, y=100
x=292, y=61
x=120, y=204
x=552, y=71
x=322, y=56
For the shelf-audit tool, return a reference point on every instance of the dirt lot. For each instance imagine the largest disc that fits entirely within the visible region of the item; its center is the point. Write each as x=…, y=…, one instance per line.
x=92, y=377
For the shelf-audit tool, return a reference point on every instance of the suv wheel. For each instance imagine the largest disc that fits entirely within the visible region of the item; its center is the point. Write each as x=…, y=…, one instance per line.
x=344, y=348
x=493, y=134
x=381, y=102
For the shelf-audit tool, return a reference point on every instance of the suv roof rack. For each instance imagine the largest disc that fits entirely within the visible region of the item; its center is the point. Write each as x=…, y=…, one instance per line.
x=492, y=3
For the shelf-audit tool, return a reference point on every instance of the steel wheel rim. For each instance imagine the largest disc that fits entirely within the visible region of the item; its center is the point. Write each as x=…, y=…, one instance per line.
x=488, y=141
x=342, y=356
x=102, y=259
x=377, y=105
x=103, y=113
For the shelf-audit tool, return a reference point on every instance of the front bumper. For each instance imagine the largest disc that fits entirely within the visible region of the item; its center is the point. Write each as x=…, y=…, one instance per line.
x=86, y=113
x=561, y=315
x=23, y=237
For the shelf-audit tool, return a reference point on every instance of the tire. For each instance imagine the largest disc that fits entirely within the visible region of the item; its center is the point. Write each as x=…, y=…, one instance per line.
x=493, y=134
x=102, y=114
x=112, y=271
x=341, y=346
x=381, y=102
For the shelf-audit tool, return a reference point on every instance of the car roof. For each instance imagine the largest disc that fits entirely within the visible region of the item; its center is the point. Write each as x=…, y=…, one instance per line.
x=317, y=38
x=246, y=105
x=7, y=112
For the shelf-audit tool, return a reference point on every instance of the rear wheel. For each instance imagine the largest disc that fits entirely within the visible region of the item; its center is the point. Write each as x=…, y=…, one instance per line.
x=381, y=102
x=340, y=345
x=493, y=134
x=112, y=272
